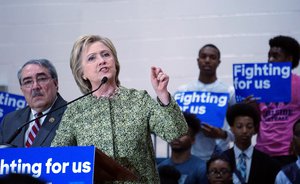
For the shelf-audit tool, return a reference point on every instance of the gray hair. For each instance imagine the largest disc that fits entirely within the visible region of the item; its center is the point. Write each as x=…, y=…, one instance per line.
x=42, y=62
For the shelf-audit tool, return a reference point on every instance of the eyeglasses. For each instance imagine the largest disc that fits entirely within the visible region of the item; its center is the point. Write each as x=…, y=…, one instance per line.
x=41, y=80
x=221, y=172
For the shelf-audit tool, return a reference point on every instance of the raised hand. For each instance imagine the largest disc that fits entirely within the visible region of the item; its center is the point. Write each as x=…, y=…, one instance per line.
x=160, y=82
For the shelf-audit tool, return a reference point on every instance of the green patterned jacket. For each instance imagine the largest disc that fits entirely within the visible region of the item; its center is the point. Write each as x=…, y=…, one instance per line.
x=121, y=127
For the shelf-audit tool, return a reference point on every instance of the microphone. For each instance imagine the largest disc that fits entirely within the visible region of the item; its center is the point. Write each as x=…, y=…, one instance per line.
x=13, y=136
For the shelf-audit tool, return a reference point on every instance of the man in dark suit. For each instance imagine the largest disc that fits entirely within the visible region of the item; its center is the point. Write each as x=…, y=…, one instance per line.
x=290, y=173
x=253, y=166
x=39, y=84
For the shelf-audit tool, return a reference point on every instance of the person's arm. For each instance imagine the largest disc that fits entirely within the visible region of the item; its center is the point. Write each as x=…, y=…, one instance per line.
x=213, y=132
x=223, y=144
x=166, y=119
x=64, y=135
x=160, y=82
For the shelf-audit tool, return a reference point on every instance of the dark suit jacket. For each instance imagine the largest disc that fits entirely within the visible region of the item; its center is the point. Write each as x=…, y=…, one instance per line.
x=263, y=168
x=12, y=121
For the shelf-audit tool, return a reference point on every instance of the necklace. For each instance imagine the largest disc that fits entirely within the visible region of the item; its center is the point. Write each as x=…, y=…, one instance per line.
x=111, y=94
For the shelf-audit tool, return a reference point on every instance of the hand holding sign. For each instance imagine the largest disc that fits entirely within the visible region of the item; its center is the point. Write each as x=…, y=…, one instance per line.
x=213, y=132
x=265, y=81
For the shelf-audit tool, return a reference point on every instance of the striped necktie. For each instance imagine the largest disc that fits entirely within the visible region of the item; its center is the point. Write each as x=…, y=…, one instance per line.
x=34, y=130
x=242, y=166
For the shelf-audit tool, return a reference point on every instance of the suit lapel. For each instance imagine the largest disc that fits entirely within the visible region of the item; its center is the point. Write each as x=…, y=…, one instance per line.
x=232, y=156
x=21, y=119
x=50, y=123
x=254, y=166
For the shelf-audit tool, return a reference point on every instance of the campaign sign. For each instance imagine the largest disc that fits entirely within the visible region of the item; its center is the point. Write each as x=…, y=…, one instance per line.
x=209, y=107
x=267, y=82
x=10, y=102
x=54, y=165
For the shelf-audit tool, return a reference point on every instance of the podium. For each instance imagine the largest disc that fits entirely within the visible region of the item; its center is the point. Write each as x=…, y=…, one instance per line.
x=74, y=164
x=107, y=169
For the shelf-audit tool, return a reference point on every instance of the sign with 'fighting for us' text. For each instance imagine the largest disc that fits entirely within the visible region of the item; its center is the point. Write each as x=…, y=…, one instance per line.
x=54, y=165
x=10, y=102
x=209, y=107
x=267, y=82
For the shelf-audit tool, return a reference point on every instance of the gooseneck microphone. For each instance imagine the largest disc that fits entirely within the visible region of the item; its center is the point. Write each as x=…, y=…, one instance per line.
x=13, y=136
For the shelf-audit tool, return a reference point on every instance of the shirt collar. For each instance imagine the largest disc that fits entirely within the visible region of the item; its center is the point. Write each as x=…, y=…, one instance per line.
x=248, y=151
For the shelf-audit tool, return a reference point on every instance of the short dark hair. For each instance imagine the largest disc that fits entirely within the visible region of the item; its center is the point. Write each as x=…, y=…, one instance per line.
x=219, y=157
x=210, y=45
x=193, y=122
x=242, y=109
x=289, y=45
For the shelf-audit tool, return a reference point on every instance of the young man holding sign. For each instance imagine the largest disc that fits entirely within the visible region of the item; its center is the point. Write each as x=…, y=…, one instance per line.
x=211, y=138
x=277, y=119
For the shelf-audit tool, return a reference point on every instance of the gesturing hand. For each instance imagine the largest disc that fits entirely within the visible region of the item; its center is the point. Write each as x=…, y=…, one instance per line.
x=160, y=82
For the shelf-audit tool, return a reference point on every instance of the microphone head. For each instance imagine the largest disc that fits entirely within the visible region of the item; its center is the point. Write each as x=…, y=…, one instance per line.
x=104, y=80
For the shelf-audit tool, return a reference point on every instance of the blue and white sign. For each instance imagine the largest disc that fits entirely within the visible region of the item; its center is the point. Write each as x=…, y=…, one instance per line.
x=267, y=82
x=10, y=102
x=209, y=107
x=51, y=164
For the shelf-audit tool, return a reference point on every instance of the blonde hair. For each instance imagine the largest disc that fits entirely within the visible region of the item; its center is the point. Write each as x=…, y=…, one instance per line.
x=75, y=60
